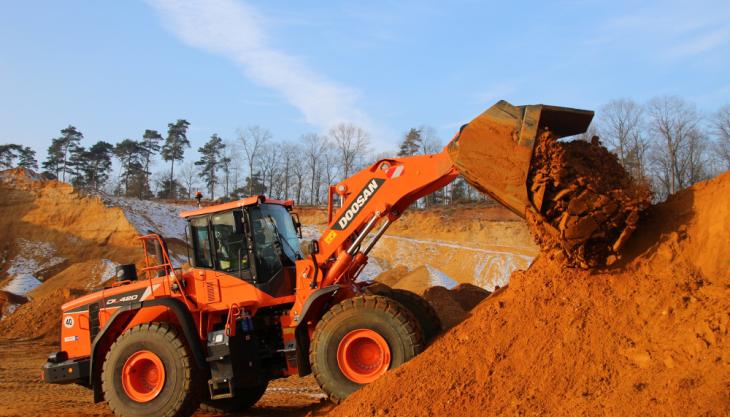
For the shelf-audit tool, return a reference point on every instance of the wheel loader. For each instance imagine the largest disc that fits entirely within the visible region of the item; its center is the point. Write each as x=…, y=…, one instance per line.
x=257, y=302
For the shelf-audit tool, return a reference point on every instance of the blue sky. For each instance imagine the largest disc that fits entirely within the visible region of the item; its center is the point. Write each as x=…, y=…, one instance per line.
x=114, y=69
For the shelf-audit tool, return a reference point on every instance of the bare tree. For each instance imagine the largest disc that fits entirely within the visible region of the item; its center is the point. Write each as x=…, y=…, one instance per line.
x=352, y=143
x=430, y=141
x=299, y=170
x=721, y=124
x=314, y=147
x=189, y=177
x=621, y=126
x=289, y=152
x=679, y=143
x=253, y=139
x=270, y=153
x=430, y=144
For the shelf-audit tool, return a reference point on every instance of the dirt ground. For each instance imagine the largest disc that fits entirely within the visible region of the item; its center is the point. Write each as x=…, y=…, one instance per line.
x=23, y=394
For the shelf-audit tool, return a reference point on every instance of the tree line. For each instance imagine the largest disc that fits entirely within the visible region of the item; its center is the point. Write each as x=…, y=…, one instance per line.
x=666, y=143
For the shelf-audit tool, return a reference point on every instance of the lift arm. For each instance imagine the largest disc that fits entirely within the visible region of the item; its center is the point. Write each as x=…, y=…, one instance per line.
x=375, y=196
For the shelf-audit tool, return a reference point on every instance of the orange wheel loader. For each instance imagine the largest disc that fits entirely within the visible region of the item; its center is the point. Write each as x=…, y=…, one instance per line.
x=257, y=304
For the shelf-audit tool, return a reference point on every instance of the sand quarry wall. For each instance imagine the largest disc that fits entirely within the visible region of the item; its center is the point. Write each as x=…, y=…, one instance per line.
x=647, y=336
x=57, y=245
x=477, y=244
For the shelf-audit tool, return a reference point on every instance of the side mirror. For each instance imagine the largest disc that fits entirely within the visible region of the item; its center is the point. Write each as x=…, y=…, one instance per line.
x=297, y=224
x=309, y=247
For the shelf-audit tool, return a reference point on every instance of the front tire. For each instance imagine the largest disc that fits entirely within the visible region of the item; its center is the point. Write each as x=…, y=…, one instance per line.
x=360, y=339
x=424, y=312
x=149, y=372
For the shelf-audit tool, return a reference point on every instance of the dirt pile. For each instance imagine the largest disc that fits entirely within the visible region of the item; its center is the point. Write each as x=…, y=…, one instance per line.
x=449, y=310
x=423, y=278
x=57, y=243
x=647, y=336
x=469, y=296
x=588, y=204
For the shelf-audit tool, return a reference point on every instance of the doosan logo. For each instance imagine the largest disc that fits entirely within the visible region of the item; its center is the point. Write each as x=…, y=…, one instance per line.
x=360, y=201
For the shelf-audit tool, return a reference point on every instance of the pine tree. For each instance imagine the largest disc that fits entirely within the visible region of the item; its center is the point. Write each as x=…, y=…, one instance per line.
x=150, y=146
x=54, y=159
x=27, y=159
x=411, y=143
x=171, y=189
x=75, y=166
x=129, y=153
x=12, y=155
x=174, y=148
x=60, y=151
x=210, y=157
x=253, y=186
x=97, y=165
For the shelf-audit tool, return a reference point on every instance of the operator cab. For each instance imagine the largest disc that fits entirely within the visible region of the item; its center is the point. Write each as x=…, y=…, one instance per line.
x=254, y=239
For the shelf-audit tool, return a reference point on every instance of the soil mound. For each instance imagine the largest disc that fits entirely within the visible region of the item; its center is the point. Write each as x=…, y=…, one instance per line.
x=392, y=276
x=424, y=277
x=58, y=244
x=588, y=204
x=40, y=318
x=648, y=336
x=468, y=295
x=447, y=308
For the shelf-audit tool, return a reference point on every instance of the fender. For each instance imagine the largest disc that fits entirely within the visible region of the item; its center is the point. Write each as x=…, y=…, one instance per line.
x=124, y=315
x=301, y=333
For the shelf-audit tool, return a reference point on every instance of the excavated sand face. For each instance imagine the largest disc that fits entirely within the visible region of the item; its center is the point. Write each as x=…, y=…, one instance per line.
x=62, y=242
x=648, y=336
x=588, y=204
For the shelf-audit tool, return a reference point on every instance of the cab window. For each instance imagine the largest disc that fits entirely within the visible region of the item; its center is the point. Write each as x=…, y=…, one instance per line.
x=267, y=246
x=230, y=250
x=201, y=242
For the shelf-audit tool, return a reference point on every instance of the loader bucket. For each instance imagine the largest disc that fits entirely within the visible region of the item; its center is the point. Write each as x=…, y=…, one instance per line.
x=493, y=152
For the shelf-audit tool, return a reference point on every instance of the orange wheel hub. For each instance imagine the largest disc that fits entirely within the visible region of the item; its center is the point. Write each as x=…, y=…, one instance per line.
x=143, y=376
x=363, y=355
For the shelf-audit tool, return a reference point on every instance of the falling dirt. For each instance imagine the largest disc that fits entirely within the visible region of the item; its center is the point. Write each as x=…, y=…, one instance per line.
x=647, y=336
x=587, y=203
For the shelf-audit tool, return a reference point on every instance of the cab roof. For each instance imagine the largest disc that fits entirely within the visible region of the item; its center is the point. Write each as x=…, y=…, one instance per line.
x=248, y=201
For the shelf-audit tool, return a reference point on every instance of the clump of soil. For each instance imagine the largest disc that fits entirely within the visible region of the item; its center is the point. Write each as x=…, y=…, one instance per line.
x=468, y=295
x=587, y=203
x=447, y=308
x=391, y=276
x=648, y=336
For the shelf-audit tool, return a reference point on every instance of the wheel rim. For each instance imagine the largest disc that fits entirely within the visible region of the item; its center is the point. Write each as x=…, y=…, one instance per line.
x=143, y=376
x=363, y=355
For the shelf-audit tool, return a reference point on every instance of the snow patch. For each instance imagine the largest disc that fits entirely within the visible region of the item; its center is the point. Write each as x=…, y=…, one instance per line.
x=106, y=269
x=22, y=284
x=439, y=278
x=146, y=216
x=33, y=257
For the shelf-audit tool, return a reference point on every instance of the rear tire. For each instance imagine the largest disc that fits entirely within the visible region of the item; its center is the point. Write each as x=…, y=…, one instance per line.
x=424, y=312
x=244, y=399
x=358, y=340
x=148, y=371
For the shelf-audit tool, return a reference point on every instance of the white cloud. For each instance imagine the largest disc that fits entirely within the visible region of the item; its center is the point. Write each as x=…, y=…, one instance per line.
x=671, y=30
x=234, y=30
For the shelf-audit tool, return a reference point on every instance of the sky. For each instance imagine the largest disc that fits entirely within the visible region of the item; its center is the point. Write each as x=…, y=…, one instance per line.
x=114, y=69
